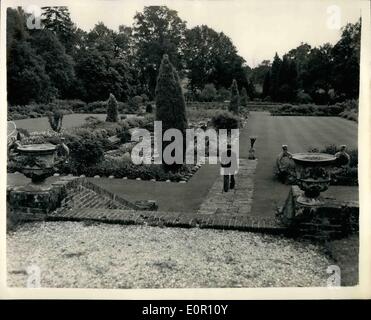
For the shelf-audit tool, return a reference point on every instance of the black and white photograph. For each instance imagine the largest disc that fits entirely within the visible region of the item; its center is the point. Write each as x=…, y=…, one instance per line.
x=204, y=144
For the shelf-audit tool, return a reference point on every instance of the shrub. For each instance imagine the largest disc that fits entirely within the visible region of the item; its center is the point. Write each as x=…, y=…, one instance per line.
x=351, y=104
x=208, y=93
x=335, y=110
x=55, y=120
x=223, y=94
x=144, y=98
x=134, y=104
x=23, y=132
x=112, y=109
x=234, y=104
x=92, y=122
x=225, y=120
x=349, y=174
x=267, y=99
x=97, y=107
x=34, y=115
x=124, y=133
x=84, y=153
x=303, y=97
x=73, y=105
x=149, y=108
x=123, y=167
x=244, y=97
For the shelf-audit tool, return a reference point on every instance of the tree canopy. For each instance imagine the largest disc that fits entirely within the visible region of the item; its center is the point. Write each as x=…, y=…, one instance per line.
x=62, y=61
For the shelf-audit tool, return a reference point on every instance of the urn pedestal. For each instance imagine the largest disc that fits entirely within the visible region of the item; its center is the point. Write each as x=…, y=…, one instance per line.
x=37, y=198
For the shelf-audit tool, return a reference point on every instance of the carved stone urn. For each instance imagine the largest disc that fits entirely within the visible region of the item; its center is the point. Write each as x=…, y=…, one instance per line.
x=313, y=173
x=37, y=198
x=38, y=161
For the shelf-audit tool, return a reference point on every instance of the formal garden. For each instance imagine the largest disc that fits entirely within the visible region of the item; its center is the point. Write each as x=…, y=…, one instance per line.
x=86, y=115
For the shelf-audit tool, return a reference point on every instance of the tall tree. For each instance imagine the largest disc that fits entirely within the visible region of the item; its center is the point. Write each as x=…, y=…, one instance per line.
x=170, y=103
x=274, y=77
x=59, y=66
x=27, y=79
x=258, y=73
x=266, y=84
x=346, y=56
x=157, y=30
x=211, y=57
x=58, y=20
x=112, y=109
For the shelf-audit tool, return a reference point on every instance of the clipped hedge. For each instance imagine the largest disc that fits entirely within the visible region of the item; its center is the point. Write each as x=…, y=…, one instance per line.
x=347, y=175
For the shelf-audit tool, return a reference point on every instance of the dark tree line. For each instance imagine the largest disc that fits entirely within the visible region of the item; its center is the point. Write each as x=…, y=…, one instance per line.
x=62, y=61
x=322, y=75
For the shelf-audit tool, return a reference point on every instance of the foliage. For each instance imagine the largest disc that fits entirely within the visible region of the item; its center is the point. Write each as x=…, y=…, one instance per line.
x=225, y=120
x=234, y=104
x=328, y=74
x=170, y=104
x=55, y=119
x=62, y=61
x=211, y=57
x=347, y=175
x=157, y=30
x=244, y=97
x=306, y=110
x=112, y=112
x=208, y=93
x=149, y=108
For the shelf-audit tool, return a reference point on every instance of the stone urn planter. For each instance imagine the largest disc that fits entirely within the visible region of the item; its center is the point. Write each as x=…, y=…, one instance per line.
x=38, y=161
x=313, y=173
x=33, y=201
x=252, y=149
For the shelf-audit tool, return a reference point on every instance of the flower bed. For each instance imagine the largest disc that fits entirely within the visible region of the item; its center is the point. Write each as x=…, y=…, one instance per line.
x=347, y=175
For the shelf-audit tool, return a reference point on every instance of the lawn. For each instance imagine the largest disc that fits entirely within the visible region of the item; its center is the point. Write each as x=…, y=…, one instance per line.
x=69, y=121
x=299, y=133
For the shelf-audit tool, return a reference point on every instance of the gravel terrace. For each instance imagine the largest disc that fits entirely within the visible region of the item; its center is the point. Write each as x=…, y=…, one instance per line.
x=81, y=255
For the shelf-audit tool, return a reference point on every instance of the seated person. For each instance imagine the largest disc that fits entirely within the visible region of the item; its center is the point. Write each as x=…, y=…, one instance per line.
x=284, y=165
x=341, y=164
x=342, y=158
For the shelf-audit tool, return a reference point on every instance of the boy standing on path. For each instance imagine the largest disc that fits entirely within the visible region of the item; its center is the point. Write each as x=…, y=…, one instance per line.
x=229, y=166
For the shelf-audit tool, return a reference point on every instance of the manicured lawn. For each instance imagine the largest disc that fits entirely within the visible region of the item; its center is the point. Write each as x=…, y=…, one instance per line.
x=69, y=121
x=170, y=196
x=299, y=133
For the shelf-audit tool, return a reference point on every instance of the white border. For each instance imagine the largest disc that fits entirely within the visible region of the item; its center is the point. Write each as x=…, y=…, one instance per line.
x=363, y=290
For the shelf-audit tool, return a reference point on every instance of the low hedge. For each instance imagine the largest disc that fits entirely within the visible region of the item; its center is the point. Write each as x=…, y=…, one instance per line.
x=38, y=110
x=348, y=175
x=307, y=110
x=121, y=167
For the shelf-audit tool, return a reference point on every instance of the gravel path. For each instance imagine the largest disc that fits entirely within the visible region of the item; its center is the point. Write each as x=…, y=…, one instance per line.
x=72, y=254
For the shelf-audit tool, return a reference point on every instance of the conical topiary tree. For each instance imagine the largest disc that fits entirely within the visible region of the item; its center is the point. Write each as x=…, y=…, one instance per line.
x=234, y=104
x=170, y=103
x=244, y=97
x=112, y=109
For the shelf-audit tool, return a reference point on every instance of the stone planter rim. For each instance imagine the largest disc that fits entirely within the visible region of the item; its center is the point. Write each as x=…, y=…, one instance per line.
x=314, y=159
x=37, y=148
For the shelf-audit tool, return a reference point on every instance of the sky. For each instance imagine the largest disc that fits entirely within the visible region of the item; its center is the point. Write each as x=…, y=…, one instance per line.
x=258, y=28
